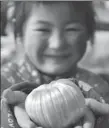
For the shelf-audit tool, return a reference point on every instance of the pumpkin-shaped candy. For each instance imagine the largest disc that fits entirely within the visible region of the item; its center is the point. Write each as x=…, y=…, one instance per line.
x=56, y=105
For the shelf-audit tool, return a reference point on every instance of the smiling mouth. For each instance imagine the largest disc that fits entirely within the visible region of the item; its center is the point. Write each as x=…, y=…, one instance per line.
x=57, y=55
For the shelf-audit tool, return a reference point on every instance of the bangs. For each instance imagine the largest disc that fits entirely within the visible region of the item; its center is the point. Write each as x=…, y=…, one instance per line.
x=23, y=10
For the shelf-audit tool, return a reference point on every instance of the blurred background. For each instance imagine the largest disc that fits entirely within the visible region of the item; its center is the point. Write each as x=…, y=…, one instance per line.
x=96, y=58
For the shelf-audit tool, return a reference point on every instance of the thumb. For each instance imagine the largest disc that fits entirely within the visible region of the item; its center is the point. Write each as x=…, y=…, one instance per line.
x=13, y=97
x=97, y=107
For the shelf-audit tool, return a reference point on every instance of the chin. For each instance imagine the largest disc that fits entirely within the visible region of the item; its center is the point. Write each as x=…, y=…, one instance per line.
x=55, y=70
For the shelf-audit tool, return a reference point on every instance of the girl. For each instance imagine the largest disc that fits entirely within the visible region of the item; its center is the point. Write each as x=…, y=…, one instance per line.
x=53, y=36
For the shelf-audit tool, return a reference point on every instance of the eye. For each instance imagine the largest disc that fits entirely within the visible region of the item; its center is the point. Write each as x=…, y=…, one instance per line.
x=72, y=29
x=42, y=30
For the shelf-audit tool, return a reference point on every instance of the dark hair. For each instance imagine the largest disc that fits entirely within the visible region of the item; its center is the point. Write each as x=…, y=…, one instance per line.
x=23, y=9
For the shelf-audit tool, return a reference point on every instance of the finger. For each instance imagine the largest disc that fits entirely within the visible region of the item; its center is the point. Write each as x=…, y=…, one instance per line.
x=23, y=85
x=89, y=119
x=14, y=97
x=22, y=117
x=97, y=107
x=8, y=95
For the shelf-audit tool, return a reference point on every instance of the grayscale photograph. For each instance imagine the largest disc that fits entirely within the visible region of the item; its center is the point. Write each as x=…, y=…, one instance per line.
x=54, y=64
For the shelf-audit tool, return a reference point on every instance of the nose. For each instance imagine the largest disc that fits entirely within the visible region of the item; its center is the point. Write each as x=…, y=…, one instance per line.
x=57, y=41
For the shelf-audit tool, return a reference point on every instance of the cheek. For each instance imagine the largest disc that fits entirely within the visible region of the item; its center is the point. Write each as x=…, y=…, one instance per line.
x=34, y=46
x=78, y=42
x=82, y=43
x=76, y=37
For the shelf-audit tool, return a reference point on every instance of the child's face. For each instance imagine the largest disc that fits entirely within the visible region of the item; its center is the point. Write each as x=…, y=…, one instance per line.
x=52, y=35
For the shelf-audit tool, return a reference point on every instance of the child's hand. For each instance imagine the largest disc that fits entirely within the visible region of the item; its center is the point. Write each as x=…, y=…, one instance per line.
x=17, y=98
x=97, y=107
x=88, y=120
x=14, y=94
x=13, y=97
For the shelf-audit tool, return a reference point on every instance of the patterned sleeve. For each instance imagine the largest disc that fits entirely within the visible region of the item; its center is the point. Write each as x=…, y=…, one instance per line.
x=96, y=82
x=9, y=76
